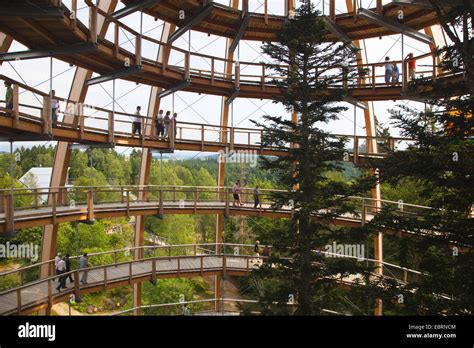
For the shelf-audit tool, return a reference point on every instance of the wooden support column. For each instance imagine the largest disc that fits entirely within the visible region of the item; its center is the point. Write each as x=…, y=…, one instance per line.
x=5, y=43
x=144, y=179
x=77, y=94
x=223, y=138
x=371, y=148
x=332, y=9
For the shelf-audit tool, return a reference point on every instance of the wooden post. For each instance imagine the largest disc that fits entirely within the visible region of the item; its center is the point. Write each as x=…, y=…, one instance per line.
x=77, y=290
x=187, y=73
x=212, y=71
x=231, y=138
x=153, y=269
x=105, y=278
x=202, y=264
x=128, y=203
x=237, y=75
x=46, y=115
x=202, y=137
x=54, y=210
x=90, y=205
x=364, y=213
x=179, y=265
x=8, y=209
x=18, y=301
x=373, y=76
x=130, y=272
x=161, y=202
x=379, y=7
x=332, y=9
x=356, y=150
x=74, y=14
x=50, y=294
x=81, y=126
x=35, y=193
x=435, y=70
x=116, y=39
x=93, y=24
x=245, y=7
x=227, y=203
x=138, y=50
x=111, y=137
x=195, y=200
x=262, y=78
x=16, y=106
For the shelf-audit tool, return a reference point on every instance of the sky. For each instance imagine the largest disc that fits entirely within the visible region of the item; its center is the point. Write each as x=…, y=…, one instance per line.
x=192, y=107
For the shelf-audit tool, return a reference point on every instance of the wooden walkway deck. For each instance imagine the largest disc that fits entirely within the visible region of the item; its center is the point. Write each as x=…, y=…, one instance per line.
x=40, y=294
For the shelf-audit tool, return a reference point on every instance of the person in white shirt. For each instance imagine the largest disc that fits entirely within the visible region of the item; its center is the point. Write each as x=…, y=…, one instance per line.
x=56, y=260
x=160, y=127
x=62, y=279
x=137, y=122
x=54, y=107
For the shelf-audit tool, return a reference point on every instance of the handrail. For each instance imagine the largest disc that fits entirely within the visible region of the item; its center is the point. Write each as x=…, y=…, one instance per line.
x=130, y=249
x=172, y=188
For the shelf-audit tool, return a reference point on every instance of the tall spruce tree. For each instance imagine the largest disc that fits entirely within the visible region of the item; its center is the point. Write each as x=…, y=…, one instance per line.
x=317, y=74
x=441, y=162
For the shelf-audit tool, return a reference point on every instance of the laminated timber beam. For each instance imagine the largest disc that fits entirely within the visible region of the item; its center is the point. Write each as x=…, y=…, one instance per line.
x=389, y=23
x=136, y=6
x=115, y=75
x=206, y=11
x=33, y=54
x=22, y=11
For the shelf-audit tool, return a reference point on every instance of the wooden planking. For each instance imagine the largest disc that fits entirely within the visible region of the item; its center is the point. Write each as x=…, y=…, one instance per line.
x=38, y=292
x=224, y=21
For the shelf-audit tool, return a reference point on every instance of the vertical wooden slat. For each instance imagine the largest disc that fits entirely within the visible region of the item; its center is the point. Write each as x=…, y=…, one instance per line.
x=212, y=71
x=16, y=106
x=111, y=135
x=332, y=9
x=46, y=115
x=138, y=50
x=116, y=39
x=380, y=7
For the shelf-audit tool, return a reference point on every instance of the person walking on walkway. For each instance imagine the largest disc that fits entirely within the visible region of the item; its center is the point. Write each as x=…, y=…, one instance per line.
x=388, y=70
x=236, y=191
x=137, y=123
x=68, y=269
x=62, y=279
x=84, y=263
x=160, y=129
x=256, y=198
x=56, y=261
